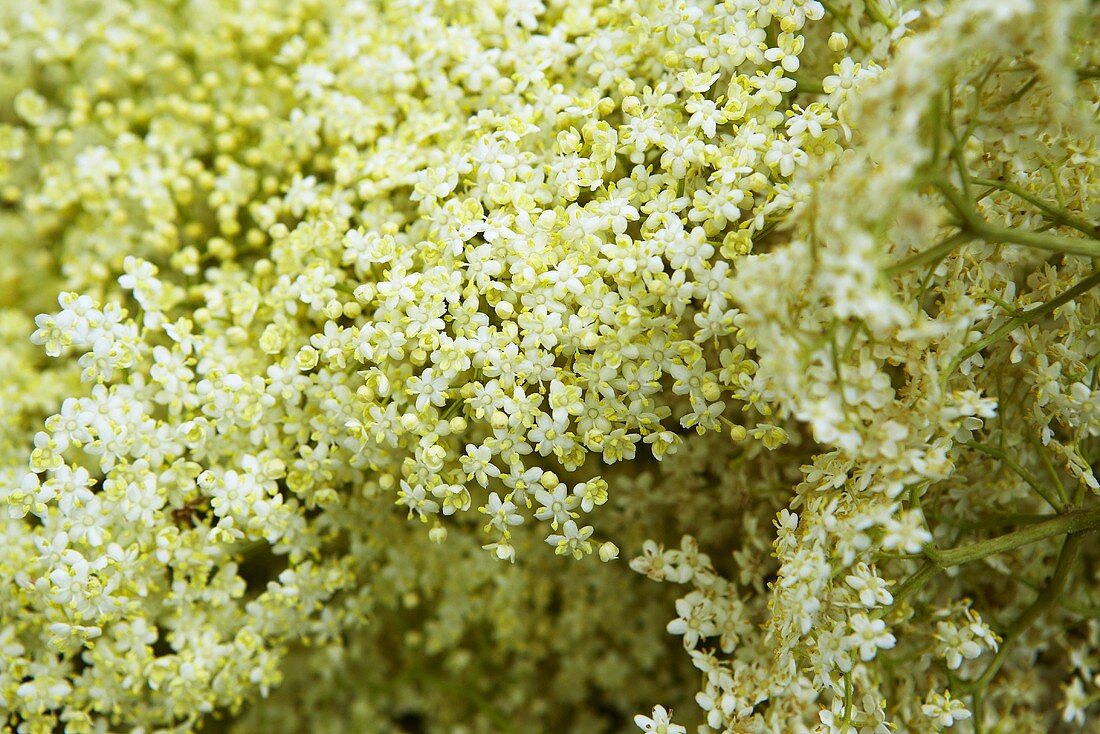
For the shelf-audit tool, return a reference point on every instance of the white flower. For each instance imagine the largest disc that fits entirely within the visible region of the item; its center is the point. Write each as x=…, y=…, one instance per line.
x=477, y=463
x=572, y=540
x=1075, y=702
x=416, y=499
x=785, y=154
x=944, y=710
x=143, y=500
x=870, y=587
x=744, y=43
x=556, y=505
x=429, y=387
x=706, y=115
x=868, y=636
x=658, y=722
x=502, y=513
x=957, y=644
x=695, y=620
x=906, y=532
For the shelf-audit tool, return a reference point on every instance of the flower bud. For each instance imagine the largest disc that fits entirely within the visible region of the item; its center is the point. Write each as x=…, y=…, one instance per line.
x=306, y=358
x=609, y=552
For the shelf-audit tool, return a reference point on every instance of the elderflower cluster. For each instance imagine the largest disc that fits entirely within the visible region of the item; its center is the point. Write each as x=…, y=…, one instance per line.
x=317, y=311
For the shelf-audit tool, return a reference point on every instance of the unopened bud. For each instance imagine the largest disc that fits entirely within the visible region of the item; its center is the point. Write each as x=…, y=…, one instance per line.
x=609, y=552
x=838, y=41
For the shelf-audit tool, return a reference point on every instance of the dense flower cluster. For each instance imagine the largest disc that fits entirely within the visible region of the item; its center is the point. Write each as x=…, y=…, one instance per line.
x=791, y=302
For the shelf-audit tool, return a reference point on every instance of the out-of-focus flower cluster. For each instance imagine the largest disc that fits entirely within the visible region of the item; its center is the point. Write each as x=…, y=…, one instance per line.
x=790, y=302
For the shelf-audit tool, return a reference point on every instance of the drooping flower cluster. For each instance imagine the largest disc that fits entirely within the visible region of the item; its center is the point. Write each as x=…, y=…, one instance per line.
x=808, y=285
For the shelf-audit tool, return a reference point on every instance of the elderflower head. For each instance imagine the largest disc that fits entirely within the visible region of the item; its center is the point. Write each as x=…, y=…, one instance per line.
x=297, y=291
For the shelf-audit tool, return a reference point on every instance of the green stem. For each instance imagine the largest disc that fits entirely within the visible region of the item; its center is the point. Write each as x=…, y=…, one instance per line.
x=1081, y=609
x=939, y=560
x=1040, y=240
x=1046, y=598
x=900, y=556
x=955, y=154
x=1092, y=364
x=932, y=254
x=1079, y=521
x=1059, y=506
x=911, y=585
x=810, y=86
x=937, y=128
x=763, y=232
x=875, y=12
x=847, y=698
x=1059, y=215
x=994, y=233
x=987, y=520
x=1050, y=470
x=1024, y=317
x=1075, y=524
x=1019, y=93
